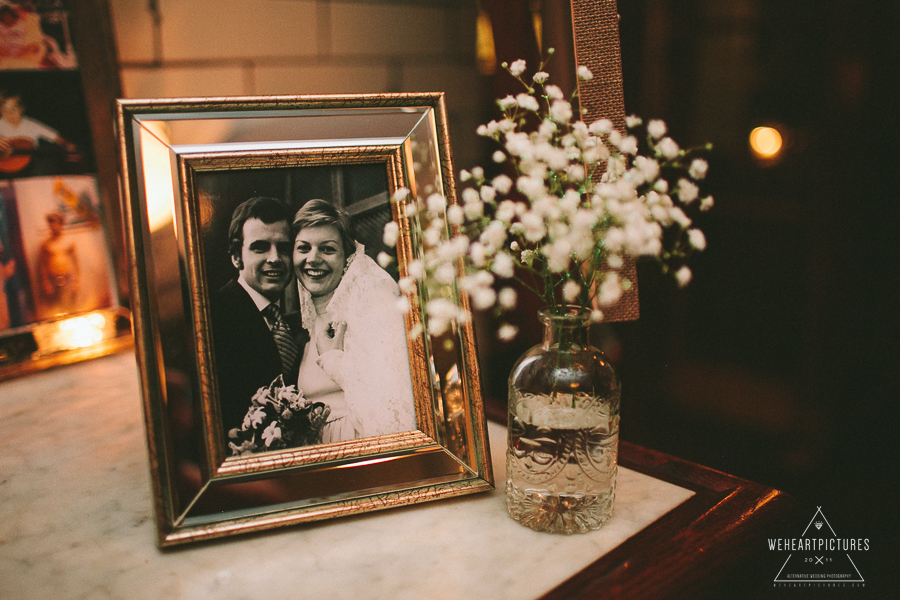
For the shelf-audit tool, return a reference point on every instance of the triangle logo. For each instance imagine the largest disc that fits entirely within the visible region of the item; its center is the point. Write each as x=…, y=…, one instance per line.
x=819, y=555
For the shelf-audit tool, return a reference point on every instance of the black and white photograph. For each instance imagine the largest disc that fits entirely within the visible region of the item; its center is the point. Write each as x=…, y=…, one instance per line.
x=308, y=333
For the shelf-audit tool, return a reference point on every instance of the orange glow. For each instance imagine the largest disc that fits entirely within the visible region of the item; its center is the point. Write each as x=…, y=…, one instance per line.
x=374, y=461
x=766, y=142
x=157, y=166
x=81, y=332
x=484, y=45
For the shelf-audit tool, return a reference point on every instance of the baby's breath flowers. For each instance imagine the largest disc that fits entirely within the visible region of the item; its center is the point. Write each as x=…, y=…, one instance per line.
x=573, y=200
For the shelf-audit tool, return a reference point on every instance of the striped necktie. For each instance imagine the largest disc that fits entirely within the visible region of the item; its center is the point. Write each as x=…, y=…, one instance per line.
x=287, y=348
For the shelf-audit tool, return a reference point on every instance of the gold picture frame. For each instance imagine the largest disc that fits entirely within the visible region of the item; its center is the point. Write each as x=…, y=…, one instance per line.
x=187, y=163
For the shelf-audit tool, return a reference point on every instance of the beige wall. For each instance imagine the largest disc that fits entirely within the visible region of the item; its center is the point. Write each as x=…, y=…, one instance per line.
x=251, y=47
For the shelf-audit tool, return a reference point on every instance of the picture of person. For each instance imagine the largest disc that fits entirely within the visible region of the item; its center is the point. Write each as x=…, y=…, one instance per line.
x=67, y=259
x=252, y=339
x=356, y=360
x=58, y=271
x=21, y=39
x=27, y=146
x=35, y=39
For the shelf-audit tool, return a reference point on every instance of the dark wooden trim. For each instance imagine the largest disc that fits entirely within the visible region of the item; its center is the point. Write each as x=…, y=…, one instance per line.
x=94, y=41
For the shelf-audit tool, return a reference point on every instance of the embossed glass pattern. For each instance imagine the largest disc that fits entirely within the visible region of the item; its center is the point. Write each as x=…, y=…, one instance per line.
x=563, y=430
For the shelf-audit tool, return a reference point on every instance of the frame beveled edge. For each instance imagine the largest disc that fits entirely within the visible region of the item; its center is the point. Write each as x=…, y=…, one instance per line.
x=152, y=393
x=477, y=419
x=372, y=503
x=157, y=106
x=168, y=532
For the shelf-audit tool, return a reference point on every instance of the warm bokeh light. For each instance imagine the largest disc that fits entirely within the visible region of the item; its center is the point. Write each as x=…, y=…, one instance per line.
x=81, y=332
x=484, y=45
x=766, y=142
x=537, y=21
x=157, y=168
x=78, y=332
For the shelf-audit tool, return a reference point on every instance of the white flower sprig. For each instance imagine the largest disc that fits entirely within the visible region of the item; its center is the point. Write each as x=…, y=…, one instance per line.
x=573, y=201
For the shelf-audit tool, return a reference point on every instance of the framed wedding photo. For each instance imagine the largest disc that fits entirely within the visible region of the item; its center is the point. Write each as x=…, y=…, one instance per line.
x=286, y=378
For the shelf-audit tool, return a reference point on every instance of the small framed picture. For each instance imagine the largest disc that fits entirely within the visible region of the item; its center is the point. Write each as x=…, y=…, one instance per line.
x=286, y=376
x=65, y=245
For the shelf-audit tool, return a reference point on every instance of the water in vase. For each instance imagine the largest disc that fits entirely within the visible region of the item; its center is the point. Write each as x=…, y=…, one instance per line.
x=561, y=462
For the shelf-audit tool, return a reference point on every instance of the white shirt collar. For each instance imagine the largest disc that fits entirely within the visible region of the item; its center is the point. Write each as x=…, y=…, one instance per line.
x=259, y=300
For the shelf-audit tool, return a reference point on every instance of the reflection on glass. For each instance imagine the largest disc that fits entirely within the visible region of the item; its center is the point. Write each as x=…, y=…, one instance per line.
x=456, y=416
x=309, y=487
x=82, y=331
x=157, y=175
x=296, y=129
x=169, y=293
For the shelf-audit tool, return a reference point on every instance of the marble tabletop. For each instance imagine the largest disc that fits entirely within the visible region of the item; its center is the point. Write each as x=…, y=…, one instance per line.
x=76, y=518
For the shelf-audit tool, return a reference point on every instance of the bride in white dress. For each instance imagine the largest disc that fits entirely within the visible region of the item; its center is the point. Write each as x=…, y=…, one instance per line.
x=356, y=361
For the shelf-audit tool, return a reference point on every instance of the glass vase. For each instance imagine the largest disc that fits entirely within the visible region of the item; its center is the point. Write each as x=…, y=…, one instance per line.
x=563, y=430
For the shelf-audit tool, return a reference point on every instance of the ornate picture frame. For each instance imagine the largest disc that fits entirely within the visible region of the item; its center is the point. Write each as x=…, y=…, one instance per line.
x=190, y=166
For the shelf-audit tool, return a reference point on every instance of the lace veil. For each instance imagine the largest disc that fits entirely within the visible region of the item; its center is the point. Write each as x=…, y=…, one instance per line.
x=373, y=369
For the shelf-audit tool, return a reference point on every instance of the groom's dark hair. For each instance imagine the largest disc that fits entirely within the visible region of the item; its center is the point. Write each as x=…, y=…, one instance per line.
x=267, y=210
x=316, y=213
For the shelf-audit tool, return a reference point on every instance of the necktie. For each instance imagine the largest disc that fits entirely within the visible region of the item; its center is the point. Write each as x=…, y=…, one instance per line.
x=287, y=348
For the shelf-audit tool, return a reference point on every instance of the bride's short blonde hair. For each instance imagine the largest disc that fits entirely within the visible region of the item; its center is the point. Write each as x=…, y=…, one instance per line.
x=316, y=213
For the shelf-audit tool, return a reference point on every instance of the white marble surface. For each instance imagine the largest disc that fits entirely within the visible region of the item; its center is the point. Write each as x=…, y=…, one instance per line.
x=76, y=520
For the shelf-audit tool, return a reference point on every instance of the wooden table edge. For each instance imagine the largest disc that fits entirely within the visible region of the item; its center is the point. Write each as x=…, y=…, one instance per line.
x=690, y=550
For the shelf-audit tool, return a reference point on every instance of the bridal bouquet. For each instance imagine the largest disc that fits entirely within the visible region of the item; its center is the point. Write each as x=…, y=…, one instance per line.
x=572, y=201
x=279, y=417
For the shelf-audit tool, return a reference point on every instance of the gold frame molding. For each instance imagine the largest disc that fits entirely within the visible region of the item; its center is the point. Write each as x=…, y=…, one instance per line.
x=199, y=492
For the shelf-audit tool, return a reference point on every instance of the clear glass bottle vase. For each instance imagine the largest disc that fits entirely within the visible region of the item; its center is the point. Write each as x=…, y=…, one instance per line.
x=562, y=449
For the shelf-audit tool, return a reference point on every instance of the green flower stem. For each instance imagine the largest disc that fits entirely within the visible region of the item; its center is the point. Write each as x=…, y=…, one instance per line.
x=563, y=358
x=585, y=283
x=549, y=290
x=527, y=285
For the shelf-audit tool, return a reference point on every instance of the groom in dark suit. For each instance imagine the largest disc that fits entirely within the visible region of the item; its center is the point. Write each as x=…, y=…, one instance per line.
x=252, y=340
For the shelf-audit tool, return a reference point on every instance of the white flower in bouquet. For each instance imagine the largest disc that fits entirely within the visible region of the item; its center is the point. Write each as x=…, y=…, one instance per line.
x=271, y=433
x=573, y=200
x=279, y=417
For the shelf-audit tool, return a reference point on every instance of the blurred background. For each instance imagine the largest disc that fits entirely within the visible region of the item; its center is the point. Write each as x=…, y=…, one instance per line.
x=779, y=362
